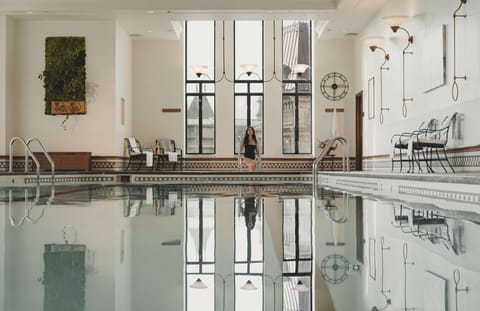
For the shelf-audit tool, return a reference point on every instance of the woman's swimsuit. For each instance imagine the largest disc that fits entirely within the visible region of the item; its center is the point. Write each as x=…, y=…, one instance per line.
x=250, y=151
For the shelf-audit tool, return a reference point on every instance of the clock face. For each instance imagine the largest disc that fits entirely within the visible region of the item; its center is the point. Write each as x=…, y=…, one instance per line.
x=334, y=86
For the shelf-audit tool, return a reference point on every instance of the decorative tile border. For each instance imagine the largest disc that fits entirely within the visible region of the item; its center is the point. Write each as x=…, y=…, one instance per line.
x=360, y=184
x=70, y=179
x=222, y=179
x=458, y=196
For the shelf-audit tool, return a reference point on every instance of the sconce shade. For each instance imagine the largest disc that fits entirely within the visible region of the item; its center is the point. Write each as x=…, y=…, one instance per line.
x=301, y=287
x=373, y=42
x=394, y=22
x=249, y=68
x=248, y=286
x=299, y=69
x=198, y=284
x=199, y=69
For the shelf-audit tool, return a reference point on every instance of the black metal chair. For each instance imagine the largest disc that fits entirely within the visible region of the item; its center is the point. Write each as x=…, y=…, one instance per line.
x=136, y=154
x=404, y=143
x=433, y=140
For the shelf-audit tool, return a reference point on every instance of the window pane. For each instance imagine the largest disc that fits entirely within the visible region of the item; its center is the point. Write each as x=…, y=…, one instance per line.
x=241, y=87
x=256, y=87
x=193, y=124
x=288, y=127
x=256, y=116
x=304, y=88
x=208, y=125
x=204, y=299
x=296, y=49
x=249, y=49
x=240, y=119
x=200, y=48
x=304, y=124
x=251, y=300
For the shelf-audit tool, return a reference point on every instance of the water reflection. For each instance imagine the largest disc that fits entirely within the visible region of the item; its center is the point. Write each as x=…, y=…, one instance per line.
x=142, y=247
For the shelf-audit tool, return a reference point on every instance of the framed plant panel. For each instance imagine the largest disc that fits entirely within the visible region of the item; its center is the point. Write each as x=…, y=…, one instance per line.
x=64, y=75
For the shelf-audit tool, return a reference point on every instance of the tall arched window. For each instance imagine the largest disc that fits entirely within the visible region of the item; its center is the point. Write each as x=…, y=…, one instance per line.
x=200, y=87
x=248, y=79
x=297, y=87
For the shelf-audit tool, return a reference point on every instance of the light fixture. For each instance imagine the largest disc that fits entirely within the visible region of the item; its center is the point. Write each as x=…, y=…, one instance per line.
x=248, y=286
x=199, y=70
x=455, y=77
x=405, y=263
x=274, y=74
x=373, y=45
x=388, y=301
x=300, y=287
x=198, y=284
x=456, y=280
x=299, y=69
x=249, y=68
x=395, y=23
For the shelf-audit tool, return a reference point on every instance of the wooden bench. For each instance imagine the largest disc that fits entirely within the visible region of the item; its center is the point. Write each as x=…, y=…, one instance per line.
x=65, y=161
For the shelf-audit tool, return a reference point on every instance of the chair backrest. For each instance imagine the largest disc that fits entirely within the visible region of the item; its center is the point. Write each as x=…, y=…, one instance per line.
x=133, y=145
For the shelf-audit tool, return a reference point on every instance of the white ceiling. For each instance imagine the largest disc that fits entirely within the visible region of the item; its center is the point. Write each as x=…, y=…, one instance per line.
x=150, y=19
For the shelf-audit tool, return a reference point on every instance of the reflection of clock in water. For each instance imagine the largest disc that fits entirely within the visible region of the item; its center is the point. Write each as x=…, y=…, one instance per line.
x=335, y=268
x=334, y=86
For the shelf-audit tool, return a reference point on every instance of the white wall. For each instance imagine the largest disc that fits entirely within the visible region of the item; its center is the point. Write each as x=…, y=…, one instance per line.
x=94, y=131
x=424, y=17
x=3, y=79
x=157, y=84
x=123, y=87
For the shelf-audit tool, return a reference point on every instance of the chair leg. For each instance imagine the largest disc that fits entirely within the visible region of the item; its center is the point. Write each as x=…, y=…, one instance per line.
x=401, y=161
x=429, y=167
x=128, y=165
x=448, y=161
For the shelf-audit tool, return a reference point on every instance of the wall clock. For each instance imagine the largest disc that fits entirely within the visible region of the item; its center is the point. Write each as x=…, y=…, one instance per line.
x=334, y=86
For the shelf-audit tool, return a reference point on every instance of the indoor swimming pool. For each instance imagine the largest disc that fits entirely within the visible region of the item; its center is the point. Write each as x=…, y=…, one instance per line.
x=206, y=247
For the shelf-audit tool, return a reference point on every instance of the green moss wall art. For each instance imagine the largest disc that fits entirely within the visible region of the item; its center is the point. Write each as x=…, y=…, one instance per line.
x=64, y=76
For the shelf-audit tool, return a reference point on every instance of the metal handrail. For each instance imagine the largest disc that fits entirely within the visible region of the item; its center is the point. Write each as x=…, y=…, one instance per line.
x=49, y=158
x=28, y=152
x=345, y=160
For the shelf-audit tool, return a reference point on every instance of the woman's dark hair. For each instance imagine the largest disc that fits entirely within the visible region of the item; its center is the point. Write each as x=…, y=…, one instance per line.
x=245, y=139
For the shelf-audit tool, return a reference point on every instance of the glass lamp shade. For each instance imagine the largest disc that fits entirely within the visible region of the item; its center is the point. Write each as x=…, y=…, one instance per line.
x=394, y=22
x=301, y=287
x=198, y=284
x=300, y=68
x=248, y=68
x=249, y=286
x=199, y=69
x=373, y=42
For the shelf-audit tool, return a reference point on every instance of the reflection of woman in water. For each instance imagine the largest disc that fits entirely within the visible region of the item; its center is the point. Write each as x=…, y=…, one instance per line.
x=250, y=207
x=250, y=143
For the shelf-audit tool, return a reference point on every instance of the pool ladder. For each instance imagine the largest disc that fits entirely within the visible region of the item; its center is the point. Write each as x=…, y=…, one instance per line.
x=28, y=206
x=345, y=159
x=28, y=152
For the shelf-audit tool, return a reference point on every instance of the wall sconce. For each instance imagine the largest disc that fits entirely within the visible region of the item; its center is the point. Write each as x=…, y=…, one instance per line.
x=373, y=44
x=199, y=70
x=394, y=22
x=249, y=70
x=455, y=77
x=388, y=301
x=405, y=263
x=456, y=280
x=299, y=69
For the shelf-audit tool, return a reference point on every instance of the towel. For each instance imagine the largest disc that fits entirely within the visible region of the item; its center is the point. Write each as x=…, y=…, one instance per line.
x=133, y=144
x=172, y=157
x=149, y=195
x=333, y=124
x=149, y=156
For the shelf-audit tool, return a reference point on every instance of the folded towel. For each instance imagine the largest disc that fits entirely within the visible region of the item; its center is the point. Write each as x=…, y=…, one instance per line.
x=172, y=157
x=133, y=144
x=149, y=156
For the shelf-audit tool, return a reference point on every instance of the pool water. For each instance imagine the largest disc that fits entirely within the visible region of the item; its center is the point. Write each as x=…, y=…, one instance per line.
x=202, y=247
